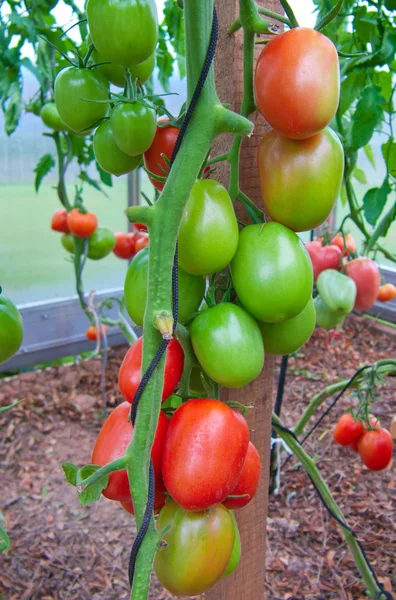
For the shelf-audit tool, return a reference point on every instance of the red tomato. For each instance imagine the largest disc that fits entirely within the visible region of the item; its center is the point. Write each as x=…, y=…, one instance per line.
x=365, y=273
x=164, y=142
x=348, y=430
x=297, y=82
x=130, y=372
x=141, y=241
x=375, y=448
x=112, y=442
x=323, y=257
x=93, y=333
x=59, y=221
x=81, y=224
x=140, y=226
x=248, y=481
x=338, y=240
x=204, y=453
x=386, y=292
x=160, y=496
x=125, y=245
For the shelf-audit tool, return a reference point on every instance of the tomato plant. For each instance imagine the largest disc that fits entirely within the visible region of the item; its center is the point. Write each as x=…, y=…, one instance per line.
x=133, y=126
x=59, y=221
x=366, y=274
x=81, y=224
x=163, y=144
x=11, y=328
x=375, y=448
x=108, y=154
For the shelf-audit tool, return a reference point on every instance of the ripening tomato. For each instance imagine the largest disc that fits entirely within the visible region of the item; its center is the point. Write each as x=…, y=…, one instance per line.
x=235, y=557
x=134, y=126
x=228, y=344
x=142, y=240
x=386, y=293
x=197, y=548
x=191, y=290
x=59, y=221
x=93, y=333
x=300, y=179
x=208, y=234
x=124, y=245
x=81, y=224
x=112, y=442
x=288, y=336
x=297, y=82
x=50, y=117
x=366, y=274
x=338, y=240
x=348, y=430
x=75, y=93
x=205, y=448
x=108, y=154
x=140, y=226
x=100, y=243
x=375, y=449
x=130, y=372
x=11, y=328
x=374, y=424
x=160, y=496
x=272, y=272
x=116, y=74
x=248, y=481
x=323, y=257
x=164, y=142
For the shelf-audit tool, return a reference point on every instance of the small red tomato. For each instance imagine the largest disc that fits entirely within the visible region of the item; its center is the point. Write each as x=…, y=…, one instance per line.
x=140, y=226
x=338, y=240
x=130, y=372
x=141, y=241
x=347, y=430
x=125, y=245
x=375, y=448
x=248, y=481
x=366, y=274
x=59, y=221
x=386, y=292
x=160, y=496
x=93, y=333
x=164, y=142
x=323, y=257
x=112, y=442
x=82, y=224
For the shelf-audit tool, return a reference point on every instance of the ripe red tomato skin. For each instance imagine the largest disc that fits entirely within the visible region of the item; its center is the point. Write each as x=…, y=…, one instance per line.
x=92, y=333
x=386, y=293
x=204, y=452
x=140, y=226
x=323, y=257
x=159, y=498
x=141, y=241
x=164, y=142
x=375, y=449
x=130, y=372
x=125, y=245
x=347, y=430
x=338, y=240
x=81, y=224
x=112, y=442
x=248, y=481
x=59, y=221
x=367, y=277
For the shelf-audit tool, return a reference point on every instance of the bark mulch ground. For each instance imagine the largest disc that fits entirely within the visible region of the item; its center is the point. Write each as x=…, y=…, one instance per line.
x=61, y=550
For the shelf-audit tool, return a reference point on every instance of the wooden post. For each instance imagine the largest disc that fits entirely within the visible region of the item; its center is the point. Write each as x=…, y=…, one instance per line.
x=248, y=582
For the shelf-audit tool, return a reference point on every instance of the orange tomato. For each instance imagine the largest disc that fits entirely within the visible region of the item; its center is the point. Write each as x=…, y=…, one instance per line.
x=338, y=240
x=386, y=292
x=141, y=241
x=59, y=221
x=93, y=333
x=81, y=224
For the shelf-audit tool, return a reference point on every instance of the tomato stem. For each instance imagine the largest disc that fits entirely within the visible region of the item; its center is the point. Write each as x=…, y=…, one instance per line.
x=116, y=465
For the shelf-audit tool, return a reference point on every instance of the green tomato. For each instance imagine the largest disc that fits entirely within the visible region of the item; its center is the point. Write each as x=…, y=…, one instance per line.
x=11, y=329
x=191, y=290
x=208, y=235
x=272, y=272
x=197, y=551
x=78, y=96
x=50, y=116
x=288, y=336
x=116, y=74
x=326, y=318
x=228, y=344
x=100, y=243
x=235, y=558
x=338, y=291
x=124, y=32
x=108, y=154
x=67, y=242
x=134, y=126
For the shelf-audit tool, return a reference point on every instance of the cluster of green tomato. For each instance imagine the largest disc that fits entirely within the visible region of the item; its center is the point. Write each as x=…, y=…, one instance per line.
x=11, y=328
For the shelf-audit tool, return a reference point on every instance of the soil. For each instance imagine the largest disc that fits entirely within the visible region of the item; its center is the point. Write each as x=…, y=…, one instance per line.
x=61, y=550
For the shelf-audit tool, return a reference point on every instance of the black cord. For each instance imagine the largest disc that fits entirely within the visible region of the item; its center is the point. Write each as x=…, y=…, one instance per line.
x=277, y=410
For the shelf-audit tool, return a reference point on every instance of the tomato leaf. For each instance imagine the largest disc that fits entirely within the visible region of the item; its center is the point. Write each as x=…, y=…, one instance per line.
x=5, y=543
x=94, y=491
x=43, y=167
x=383, y=227
x=93, y=182
x=13, y=105
x=351, y=88
x=370, y=154
x=105, y=178
x=70, y=471
x=389, y=154
x=321, y=24
x=367, y=116
x=374, y=202
x=359, y=175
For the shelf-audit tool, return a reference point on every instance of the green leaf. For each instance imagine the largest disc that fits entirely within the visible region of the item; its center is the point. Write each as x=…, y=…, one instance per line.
x=365, y=25
x=374, y=202
x=5, y=543
x=13, y=105
x=359, y=175
x=27, y=63
x=105, y=178
x=367, y=116
x=331, y=15
x=344, y=197
x=70, y=471
x=390, y=4
x=383, y=227
x=389, y=153
x=93, y=182
x=43, y=167
x=351, y=89
x=370, y=154
x=383, y=79
x=94, y=491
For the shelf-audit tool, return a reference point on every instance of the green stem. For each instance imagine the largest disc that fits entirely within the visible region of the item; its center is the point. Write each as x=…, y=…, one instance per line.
x=319, y=482
x=116, y=465
x=183, y=337
x=274, y=15
x=63, y=163
x=123, y=324
x=289, y=11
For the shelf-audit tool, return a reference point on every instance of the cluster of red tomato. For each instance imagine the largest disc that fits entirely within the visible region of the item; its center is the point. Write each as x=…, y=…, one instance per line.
x=373, y=443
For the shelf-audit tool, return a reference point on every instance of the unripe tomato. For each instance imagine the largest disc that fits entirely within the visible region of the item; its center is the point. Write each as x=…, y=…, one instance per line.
x=338, y=240
x=348, y=430
x=59, y=221
x=81, y=224
x=228, y=344
x=11, y=328
x=123, y=32
x=288, y=336
x=50, y=117
x=93, y=333
x=164, y=142
x=124, y=245
x=191, y=290
x=297, y=82
x=386, y=293
x=375, y=449
x=300, y=180
x=100, y=243
x=323, y=257
x=160, y=496
x=130, y=374
x=67, y=242
x=366, y=274
x=116, y=74
x=248, y=481
x=204, y=452
x=134, y=126
x=108, y=154
x=112, y=442
x=235, y=557
x=75, y=92
x=142, y=240
x=197, y=548
x=325, y=317
x=272, y=272
x=208, y=234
